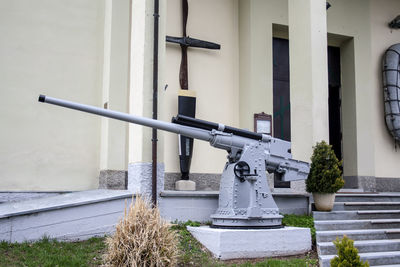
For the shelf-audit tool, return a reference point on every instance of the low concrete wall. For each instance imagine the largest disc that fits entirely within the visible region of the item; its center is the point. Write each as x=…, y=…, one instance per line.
x=211, y=182
x=204, y=181
x=372, y=184
x=199, y=205
x=67, y=223
x=113, y=179
x=20, y=196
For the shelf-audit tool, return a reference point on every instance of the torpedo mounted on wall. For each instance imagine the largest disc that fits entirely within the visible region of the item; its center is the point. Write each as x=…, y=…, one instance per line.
x=186, y=97
x=391, y=90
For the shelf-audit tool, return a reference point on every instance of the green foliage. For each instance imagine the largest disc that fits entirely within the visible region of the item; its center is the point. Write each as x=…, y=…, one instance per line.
x=191, y=223
x=191, y=251
x=347, y=254
x=325, y=175
x=300, y=221
x=48, y=252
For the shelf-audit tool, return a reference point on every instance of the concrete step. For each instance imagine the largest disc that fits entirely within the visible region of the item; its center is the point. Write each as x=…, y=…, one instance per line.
x=373, y=258
x=71, y=216
x=357, y=215
x=363, y=246
x=367, y=234
x=340, y=206
x=367, y=197
x=356, y=224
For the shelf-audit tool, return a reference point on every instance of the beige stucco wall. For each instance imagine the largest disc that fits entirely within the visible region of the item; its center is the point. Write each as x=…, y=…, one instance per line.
x=115, y=84
x=351, y=18
x=369, y=149
x=141, y=77
x=386, y=157
x=308, y=76
x=213, y=74
x=358, y=27
x=256, y=19
x=55, y=48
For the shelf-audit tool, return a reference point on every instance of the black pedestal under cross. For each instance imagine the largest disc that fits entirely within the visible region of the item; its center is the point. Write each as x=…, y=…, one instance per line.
x=187, y=98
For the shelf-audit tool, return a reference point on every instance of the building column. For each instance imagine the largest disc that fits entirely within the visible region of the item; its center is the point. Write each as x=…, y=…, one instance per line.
x=308, y=75
x=113, y=160
x=141, y=98
x=256, y=77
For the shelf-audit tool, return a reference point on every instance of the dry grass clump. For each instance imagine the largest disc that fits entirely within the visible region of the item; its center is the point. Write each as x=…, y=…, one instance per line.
x=142, y=238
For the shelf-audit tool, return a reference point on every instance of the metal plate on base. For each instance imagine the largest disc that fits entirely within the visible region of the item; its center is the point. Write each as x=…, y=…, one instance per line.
x=247, y=223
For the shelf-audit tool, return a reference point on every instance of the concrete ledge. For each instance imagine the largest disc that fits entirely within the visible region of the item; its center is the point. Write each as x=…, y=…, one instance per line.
x=173, y=193
x=204, y=181
x=228, y=244
x=61, y=201
x=69, y=223
x=372, y=183
x=199, y=205
x=8, y=196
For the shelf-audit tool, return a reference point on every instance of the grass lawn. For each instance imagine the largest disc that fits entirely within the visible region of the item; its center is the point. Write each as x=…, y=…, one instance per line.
x=88, y=253
x=52, y=253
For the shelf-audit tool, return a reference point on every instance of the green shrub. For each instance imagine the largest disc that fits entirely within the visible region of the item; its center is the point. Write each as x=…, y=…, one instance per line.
x=347, y=254
x=325, y=174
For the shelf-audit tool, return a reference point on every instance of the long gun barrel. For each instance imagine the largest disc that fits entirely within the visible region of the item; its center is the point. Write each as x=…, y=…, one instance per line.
x=161, y=125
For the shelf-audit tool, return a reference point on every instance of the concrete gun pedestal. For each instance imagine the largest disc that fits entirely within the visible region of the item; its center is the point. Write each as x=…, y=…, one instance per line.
x=185, y=185
x=226, y=244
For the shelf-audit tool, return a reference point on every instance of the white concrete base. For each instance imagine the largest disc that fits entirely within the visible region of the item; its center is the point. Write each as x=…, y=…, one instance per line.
x=185, y=185
x=228, y=244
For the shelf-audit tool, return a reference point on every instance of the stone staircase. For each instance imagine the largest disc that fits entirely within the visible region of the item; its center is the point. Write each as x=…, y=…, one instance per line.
x=371, y=220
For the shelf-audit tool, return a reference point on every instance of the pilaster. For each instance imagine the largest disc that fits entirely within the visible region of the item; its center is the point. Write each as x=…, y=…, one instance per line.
x=141, y=95
x=308, y=75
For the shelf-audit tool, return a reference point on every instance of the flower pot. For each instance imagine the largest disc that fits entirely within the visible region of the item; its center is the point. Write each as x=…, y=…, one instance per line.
x=324, y=201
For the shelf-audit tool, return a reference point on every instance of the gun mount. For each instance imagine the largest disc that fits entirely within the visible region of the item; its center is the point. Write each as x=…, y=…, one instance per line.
x=245, y=200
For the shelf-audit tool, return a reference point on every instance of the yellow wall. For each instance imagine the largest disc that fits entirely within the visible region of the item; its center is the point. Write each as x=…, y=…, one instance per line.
x=57, y=49
x=115, y=83
x=351, y=18
x=359, y=28
x=213, y=74
x=382, y=37
x=53, y=48
x=255, y=27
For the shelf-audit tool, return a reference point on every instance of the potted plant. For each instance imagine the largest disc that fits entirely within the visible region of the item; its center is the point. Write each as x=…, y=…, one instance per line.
x=325, y=177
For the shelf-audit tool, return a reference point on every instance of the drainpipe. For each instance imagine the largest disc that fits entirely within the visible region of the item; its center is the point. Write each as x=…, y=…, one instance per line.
x=155, y=101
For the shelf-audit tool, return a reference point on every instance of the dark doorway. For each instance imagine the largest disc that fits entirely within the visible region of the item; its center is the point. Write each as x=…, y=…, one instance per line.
x=281, y=96
x=281, y=89
x=335, y=102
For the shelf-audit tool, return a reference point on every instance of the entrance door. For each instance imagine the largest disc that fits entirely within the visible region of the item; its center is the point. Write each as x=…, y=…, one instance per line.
x=335, y=102
x=281, y=89
x=281, y=96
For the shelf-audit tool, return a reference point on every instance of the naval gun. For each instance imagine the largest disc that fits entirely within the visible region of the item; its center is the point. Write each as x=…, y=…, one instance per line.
x=245, y=200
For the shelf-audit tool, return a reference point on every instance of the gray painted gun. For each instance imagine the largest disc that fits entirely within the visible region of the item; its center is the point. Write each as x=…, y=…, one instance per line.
x=245, y=200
